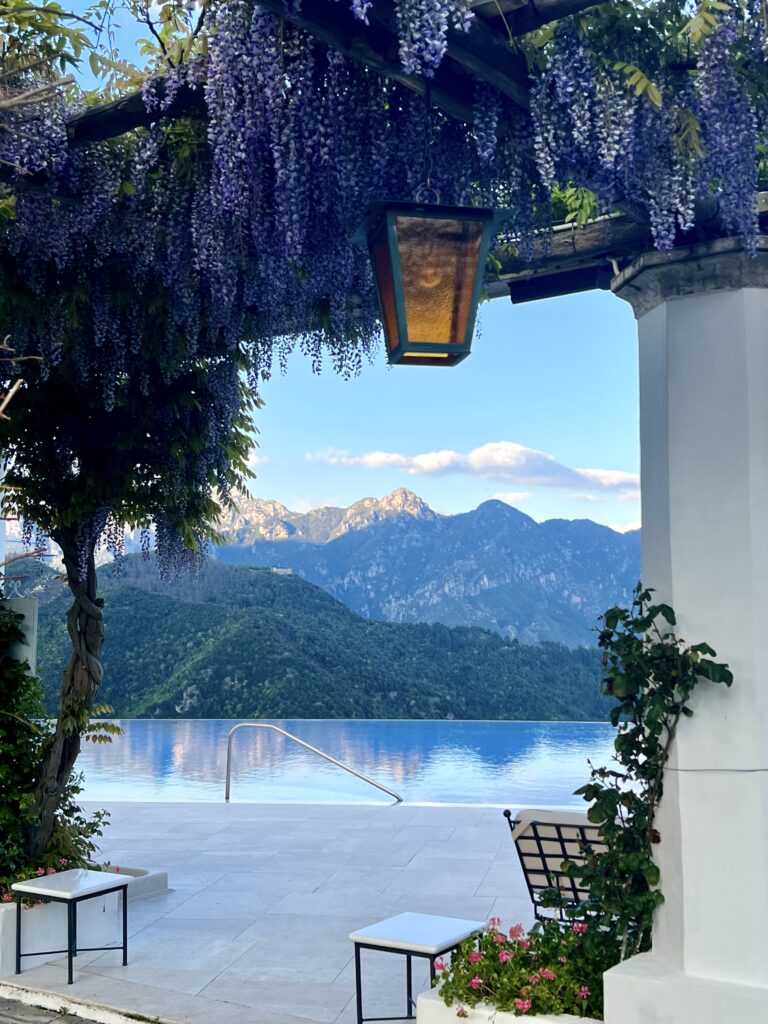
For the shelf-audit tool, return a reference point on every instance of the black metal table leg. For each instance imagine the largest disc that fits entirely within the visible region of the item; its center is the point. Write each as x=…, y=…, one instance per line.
x=18, y=934
x=125, y=926
x=70, y=940
x=74, y=928
x=409, y=987
x=432, y=974
x=358, y=985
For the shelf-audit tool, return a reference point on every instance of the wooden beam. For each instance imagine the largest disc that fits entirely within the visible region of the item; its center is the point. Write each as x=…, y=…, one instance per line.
x=481, y=52
x=541, y=12
x=576, y=256
x=573, y=249
x=112, y=119
x=376, y=46
x=495, y=8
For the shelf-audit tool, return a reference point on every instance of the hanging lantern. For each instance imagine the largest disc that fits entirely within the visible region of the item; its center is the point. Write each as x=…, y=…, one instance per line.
x=428, y=262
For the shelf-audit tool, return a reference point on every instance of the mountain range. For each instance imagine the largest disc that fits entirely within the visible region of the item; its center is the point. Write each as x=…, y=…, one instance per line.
x=398, y=560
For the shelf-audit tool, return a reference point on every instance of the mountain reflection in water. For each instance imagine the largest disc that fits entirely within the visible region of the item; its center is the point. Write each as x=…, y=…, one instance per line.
x=510, y=763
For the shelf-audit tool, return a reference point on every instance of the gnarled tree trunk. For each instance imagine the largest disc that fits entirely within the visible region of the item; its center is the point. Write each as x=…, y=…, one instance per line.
x=79, y=685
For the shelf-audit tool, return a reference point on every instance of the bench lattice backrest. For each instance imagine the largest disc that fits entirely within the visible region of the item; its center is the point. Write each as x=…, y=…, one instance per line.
x=543, y=846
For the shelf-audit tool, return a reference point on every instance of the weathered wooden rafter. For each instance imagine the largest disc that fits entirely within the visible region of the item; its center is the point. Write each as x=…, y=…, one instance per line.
x=109, y=120
x=571, y=258
x=484, y=53
x=576, y=259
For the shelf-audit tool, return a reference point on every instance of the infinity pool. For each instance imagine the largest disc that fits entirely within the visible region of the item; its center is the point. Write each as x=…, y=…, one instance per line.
x=509, y=763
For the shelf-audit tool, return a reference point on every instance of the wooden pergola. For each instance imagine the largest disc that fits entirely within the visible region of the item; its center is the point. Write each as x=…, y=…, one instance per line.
x=574, y=259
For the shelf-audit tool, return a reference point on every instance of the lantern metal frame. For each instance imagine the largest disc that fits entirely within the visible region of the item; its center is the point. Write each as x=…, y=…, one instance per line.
x=406, y=351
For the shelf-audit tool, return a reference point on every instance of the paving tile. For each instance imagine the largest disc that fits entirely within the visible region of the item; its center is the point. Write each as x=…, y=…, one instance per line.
x=225, y=904
x=360, y=878
x=312, y=1000
x=326, y=904
x=265, y=895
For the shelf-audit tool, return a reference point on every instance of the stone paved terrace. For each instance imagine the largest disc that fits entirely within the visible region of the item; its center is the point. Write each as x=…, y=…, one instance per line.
x=264, y=897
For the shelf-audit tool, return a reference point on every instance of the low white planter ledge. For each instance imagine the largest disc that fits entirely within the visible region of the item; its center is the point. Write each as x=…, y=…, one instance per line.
x=430, y=1009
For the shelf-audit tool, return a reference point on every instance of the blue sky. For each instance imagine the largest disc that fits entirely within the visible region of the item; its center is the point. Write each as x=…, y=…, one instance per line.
x=549, y=391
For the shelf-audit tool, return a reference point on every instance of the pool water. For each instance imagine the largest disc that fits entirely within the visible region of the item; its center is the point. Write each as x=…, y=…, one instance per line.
x=503, y=763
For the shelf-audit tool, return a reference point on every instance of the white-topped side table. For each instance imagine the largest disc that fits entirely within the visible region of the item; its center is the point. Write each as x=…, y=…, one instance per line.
x=70, y=887
x=422, y=935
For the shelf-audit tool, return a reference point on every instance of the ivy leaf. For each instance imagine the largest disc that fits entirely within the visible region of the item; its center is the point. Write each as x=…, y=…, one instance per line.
x=651, y=874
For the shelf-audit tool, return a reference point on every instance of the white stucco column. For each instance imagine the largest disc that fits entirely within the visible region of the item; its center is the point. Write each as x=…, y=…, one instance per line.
x=703, y=330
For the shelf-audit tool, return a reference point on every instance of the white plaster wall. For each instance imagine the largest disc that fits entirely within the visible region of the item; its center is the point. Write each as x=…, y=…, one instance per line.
x=704, y=472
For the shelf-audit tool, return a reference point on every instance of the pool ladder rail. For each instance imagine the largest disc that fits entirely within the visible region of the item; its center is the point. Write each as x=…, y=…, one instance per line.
x=396, y=798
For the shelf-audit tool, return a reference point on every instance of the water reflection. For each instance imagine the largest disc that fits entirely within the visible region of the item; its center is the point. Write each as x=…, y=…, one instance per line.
x=515, y=763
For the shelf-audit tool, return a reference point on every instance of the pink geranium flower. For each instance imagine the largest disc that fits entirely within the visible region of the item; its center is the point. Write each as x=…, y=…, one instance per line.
x=580, y=928
x=523, y=1004
x=546, y=973
x=494, y=923
x=440, y=965
x=524, y=943
x=50, y=871
x=516, y=931
x=476, y=982
x=534, y=979
x=499, y=938
x=39, y=872
x=504, y=955
x=7, y=898
x=583, y=992
x=475, y=956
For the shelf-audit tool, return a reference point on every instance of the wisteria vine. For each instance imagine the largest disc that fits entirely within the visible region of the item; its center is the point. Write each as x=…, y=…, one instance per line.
x=203, y=249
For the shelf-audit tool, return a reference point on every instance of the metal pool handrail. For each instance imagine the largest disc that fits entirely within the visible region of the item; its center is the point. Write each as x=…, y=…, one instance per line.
x=307, y=746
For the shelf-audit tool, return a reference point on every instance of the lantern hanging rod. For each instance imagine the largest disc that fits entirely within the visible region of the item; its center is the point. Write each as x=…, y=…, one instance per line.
x=483, y=53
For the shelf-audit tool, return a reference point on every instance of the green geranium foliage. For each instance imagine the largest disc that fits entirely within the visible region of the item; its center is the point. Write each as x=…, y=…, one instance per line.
x=552, y=970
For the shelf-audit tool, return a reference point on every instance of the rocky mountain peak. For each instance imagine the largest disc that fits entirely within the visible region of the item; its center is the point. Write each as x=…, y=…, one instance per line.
x=406, y=502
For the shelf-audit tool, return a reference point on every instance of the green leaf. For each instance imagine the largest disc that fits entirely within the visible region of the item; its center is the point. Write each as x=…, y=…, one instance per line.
x=651, y=874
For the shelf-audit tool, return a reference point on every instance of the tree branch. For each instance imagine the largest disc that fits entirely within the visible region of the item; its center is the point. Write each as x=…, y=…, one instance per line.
x=53, y=12
x=34, y=95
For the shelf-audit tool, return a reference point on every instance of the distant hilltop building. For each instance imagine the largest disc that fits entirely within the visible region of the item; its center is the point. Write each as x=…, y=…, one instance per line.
x=282, y=570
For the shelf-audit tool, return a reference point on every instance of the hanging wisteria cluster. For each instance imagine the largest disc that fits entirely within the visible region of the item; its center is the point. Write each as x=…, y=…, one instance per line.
x=599, y=124
x=172, y=260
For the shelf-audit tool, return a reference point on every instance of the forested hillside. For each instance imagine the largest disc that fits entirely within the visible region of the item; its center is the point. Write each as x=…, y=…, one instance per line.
x=249, y=643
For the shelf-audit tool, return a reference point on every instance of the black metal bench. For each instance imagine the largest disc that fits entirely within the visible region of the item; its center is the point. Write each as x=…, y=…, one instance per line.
x=544, y=840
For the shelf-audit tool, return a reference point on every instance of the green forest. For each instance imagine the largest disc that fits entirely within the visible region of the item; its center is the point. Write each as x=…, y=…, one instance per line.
x=241, y=642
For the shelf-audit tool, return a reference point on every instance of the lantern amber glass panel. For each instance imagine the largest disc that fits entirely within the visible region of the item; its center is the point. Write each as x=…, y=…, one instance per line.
x=428, y=262
x=438, y=261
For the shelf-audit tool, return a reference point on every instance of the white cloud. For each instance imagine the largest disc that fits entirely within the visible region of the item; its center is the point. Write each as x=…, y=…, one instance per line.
x=626, y=527
x=512, y=497
x=611, y=477
x=584, y=497
x=255, y=460
x=630, y=496
x=505, y=461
